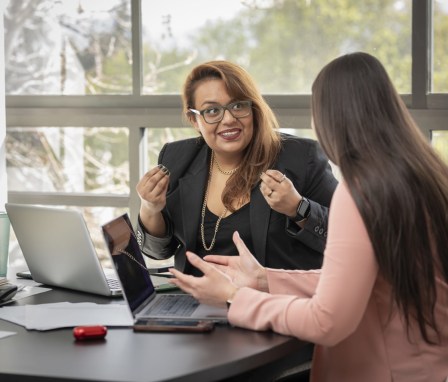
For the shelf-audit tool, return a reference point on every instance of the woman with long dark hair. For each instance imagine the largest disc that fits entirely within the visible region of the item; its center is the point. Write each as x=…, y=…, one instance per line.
x=378, y=309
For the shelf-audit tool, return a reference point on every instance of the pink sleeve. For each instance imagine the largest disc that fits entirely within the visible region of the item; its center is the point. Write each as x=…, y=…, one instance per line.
x=341, y=293
x=286, y=282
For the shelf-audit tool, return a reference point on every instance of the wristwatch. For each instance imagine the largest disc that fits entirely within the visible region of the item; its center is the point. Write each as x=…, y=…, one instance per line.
x=303, y=210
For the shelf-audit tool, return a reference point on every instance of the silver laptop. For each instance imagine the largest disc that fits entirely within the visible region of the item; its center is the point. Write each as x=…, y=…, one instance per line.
x=138, y=289
x=58, y=249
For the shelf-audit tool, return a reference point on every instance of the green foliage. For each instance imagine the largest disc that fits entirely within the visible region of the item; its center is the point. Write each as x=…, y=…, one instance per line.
x=116, y=76
x=164, y=72
x=285, y=45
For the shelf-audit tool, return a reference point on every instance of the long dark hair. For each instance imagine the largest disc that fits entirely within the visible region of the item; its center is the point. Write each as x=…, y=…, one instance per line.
x=398, y=182
x=264, y=147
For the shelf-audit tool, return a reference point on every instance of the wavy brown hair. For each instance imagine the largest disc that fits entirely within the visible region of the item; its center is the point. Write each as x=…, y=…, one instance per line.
x=264, y=147
x=398, y=182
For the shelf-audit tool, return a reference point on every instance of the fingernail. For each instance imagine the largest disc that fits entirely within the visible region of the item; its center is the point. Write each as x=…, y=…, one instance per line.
x=160, y=165
x=164, y=169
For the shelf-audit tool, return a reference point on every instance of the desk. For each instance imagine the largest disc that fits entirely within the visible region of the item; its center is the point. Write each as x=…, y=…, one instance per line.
x=227, y=353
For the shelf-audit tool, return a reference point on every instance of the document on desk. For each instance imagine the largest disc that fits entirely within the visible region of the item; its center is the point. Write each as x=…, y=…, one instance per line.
x=66, y=314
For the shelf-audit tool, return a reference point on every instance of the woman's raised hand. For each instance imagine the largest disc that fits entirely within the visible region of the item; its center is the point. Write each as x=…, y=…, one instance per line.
x=152, y=189
x=279, y=192
x=214, y=288
x=244, y=270
x=223, y=275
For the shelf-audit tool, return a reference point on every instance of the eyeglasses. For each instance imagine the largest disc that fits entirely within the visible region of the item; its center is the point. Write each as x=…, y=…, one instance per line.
x=215, y=114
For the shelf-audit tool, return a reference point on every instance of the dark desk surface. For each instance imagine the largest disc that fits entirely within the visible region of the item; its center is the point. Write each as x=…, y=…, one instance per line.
x=227, y=353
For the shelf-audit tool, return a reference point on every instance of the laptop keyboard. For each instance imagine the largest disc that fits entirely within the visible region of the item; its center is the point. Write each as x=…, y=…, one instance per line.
x=113, y=284
x=174, y=305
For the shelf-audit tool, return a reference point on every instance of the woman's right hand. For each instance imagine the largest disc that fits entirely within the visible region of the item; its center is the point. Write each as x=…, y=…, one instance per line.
x=244, y=270
x=152, y=189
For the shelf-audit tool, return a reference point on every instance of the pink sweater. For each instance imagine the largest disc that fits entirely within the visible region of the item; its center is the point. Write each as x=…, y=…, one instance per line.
x=345, y=310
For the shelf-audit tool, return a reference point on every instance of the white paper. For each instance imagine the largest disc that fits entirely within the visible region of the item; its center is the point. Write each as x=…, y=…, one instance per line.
x=66, y=314
x=15, y=314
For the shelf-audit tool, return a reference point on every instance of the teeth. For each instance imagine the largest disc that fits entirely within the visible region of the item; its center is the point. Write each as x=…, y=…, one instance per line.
x=229, y=133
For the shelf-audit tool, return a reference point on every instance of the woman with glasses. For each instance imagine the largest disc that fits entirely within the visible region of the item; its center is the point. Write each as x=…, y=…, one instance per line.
x=378, y=308
x=239, y=174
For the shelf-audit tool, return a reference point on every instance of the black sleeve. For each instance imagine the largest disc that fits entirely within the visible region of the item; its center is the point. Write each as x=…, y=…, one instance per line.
x=320, y=185
x=158, y=248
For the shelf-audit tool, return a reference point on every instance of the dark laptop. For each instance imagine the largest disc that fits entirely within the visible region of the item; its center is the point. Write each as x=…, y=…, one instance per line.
x=137, y=286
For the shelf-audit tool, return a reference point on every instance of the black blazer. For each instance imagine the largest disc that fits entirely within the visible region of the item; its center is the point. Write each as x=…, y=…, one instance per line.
x=279, y=242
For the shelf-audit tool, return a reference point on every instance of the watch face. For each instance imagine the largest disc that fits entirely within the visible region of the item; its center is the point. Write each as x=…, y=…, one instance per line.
x=303, y=210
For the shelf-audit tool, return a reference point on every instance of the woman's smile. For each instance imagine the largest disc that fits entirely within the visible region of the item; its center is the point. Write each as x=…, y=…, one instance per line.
x=230, y=134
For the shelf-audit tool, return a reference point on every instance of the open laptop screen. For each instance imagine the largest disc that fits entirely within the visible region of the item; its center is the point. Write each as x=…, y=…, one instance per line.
x=128, y=260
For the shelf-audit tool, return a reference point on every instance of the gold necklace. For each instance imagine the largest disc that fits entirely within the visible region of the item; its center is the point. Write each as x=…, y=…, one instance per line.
x=124, y=252
x=228, y=172
x=204, y=206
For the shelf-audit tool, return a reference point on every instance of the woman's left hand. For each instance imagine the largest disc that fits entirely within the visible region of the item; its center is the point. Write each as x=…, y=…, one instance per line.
x=214, y=288
x=279, y=192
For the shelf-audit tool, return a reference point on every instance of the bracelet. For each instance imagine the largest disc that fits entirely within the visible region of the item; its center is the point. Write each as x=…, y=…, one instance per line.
x=229, y=300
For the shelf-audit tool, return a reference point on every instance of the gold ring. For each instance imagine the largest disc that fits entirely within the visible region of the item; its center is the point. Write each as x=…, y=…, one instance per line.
x=283, y=178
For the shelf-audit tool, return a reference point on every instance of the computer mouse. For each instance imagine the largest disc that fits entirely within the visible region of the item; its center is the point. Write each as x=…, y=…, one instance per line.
x=7, y=292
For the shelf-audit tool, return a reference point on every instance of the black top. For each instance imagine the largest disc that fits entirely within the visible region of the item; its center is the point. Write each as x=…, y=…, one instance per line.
x=224, y=245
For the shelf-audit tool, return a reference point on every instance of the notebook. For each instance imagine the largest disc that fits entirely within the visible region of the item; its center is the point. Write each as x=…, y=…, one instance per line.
x=138, y=289
x=58, y=249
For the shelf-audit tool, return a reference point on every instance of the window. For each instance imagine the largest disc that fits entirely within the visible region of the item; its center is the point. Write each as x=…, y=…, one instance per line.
x=93, y=86
x=157, y=137
x=440, y=55
x=45, y=159
x=80, y=47
x=439, y=141
x=283, y=44
x=68, y=47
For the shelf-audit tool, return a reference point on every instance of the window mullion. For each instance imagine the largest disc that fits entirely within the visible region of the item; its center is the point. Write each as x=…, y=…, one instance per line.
x=137, y=59
x=421, y=51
